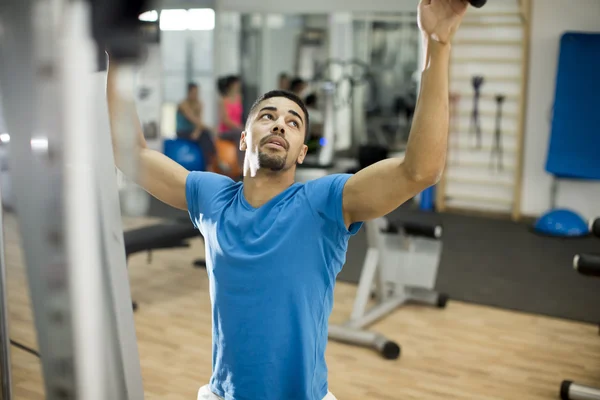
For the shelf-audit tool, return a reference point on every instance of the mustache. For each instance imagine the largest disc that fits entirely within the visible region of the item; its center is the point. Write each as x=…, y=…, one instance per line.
x=267, y=138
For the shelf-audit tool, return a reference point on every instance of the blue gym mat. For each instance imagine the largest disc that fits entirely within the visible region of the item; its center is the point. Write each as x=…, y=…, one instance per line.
x=574, y=149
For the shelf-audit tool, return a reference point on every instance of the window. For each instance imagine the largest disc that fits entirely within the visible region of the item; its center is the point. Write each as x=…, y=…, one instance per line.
x=195, y=19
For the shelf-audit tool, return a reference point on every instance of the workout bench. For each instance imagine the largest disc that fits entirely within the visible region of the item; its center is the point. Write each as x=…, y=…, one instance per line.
x=167, y=235
x=393, y=275
x=589, y=265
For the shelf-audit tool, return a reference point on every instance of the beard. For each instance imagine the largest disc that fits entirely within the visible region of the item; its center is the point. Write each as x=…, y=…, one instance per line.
x=272, y=162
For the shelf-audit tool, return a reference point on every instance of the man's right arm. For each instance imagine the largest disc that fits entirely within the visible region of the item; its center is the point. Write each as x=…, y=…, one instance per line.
x=160, y=176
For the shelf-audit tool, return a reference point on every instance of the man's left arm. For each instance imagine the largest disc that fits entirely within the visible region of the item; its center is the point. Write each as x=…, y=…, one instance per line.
x=382, y=187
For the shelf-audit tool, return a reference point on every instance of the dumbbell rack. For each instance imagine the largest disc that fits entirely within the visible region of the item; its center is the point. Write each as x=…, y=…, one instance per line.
x=67, y=203
x=589, y=265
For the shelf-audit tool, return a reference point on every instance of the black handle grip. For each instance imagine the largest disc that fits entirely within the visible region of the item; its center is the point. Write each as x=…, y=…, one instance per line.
x=116, y=27
x=477, y=3
x=587, y=264
x=428, y=231
x=595, y=227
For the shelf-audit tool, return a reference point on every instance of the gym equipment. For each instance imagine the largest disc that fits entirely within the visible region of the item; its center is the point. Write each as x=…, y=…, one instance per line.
x=228, y=159
x=333, y=97
x=572, y=151
x=561, y=222
x=589, y=265
x=162, y=236
x=497, y=146
x=573, y=145
x=395, y=275
x=5, y=371
x=186, y=153
x=475, y=127
x=477, y=3
x=66, y=190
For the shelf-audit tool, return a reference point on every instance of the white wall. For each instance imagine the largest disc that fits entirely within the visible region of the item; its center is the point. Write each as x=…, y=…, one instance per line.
x=549, y=20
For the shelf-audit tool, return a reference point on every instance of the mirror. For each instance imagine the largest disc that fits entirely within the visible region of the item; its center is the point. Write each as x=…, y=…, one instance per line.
x=366, y=64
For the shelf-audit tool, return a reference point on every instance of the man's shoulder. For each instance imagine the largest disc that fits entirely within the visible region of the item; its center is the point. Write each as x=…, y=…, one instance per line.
x=327, y=181
x=211, y=179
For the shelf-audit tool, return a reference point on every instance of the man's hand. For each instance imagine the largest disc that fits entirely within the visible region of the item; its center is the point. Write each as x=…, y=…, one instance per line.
x=439, y=19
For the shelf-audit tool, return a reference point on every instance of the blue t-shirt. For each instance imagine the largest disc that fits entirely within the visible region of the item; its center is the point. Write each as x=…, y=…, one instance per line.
x=272, y=272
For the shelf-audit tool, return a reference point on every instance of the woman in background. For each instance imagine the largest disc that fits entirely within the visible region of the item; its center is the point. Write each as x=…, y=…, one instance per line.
x=231, y=109
x=231, y=123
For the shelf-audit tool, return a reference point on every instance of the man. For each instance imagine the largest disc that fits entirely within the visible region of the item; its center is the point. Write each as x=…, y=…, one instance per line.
x=274, y=247
x=190, y=124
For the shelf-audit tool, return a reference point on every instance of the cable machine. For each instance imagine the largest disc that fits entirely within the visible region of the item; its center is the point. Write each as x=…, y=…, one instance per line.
x=66, y=193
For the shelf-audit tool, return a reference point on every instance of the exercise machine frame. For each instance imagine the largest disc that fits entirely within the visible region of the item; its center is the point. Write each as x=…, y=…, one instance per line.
x=589, y=265
x=389, y=284
x=67, y=199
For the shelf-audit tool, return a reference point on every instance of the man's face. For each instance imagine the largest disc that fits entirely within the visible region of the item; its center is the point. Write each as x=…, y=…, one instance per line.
x=275, y=135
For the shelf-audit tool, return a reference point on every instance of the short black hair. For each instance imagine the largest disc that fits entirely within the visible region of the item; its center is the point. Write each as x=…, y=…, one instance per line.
x=191, y=86
x=296, y=83
x=225, y=83
x=290, y=96
x=311, y=100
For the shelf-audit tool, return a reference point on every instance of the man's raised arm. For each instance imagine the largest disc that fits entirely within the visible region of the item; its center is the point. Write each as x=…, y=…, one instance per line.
x=160, y=176
x=382, y=187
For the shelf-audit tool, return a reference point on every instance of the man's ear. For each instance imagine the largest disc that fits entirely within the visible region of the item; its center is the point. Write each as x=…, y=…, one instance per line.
x=243, y=145
x=302, y=154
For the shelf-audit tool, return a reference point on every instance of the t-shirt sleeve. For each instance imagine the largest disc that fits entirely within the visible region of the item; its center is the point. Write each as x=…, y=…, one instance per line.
x=326, y=198
x=201, y=190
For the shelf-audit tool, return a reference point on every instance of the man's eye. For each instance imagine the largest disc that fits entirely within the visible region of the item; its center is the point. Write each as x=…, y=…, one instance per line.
x=295, y=124
x=268, y=116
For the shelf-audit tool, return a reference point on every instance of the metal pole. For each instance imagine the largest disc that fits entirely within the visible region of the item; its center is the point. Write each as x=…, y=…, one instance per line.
x=4, y=331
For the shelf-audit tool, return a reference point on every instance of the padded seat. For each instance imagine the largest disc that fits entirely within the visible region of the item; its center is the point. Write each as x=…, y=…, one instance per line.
x=160, y=236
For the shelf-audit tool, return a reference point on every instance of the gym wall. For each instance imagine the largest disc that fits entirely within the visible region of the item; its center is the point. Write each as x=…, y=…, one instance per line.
x=550, y=18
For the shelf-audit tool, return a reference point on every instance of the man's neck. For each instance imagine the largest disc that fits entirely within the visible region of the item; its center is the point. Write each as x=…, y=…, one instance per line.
x=265, y=185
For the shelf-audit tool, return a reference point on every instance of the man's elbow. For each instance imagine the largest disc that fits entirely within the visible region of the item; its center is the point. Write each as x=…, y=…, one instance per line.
x=425, y=177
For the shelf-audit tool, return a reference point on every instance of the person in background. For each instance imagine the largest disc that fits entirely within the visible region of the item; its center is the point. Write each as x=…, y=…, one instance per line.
x=298, y=87
x=315, y=132
x=284, y=81
x=231, y=109
x=190, y=125
x=231, y=112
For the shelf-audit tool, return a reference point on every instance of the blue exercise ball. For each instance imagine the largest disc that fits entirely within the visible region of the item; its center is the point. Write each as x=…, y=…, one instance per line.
x=186, y=153
x=563, y=223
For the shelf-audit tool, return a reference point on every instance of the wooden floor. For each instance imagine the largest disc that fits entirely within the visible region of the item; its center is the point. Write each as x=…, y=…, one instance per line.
x=462, y=352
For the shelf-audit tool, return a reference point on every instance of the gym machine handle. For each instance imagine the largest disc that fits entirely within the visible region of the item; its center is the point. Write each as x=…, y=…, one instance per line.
x=587, y=264
x=116, y=27
x=428, y=231
x=595, y=227
x=477, y=3
x=413, y=229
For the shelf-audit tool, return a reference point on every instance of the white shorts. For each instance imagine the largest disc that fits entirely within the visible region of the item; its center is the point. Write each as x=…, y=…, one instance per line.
x=205, y=394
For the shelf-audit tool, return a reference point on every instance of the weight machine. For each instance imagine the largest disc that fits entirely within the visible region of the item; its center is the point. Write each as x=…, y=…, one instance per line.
x=334, y=82
x=588, y=265
x=66, y=192
x=400, y=267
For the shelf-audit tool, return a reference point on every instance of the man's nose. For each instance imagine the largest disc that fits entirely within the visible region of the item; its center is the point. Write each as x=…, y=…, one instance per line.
x=279, y=128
